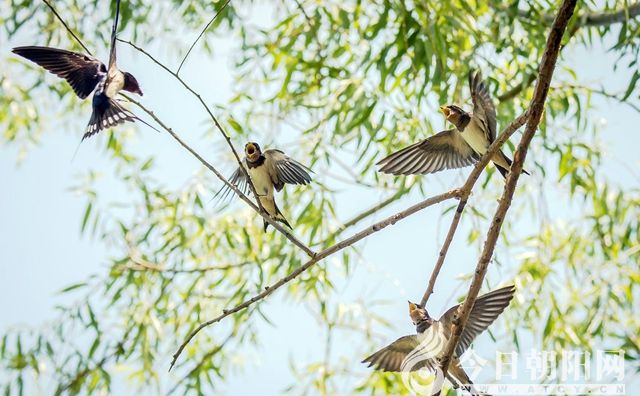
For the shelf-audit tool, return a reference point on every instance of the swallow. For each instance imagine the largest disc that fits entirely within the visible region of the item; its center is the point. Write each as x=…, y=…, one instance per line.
x=457, y=147
x=426, y=348
x=86, y=74
x=268, y=169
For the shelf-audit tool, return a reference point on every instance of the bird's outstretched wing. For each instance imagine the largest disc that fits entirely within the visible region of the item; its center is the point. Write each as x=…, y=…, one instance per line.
x=82, y=72
x=444, y=150
x=483, y=106
x=390, y=358
x=238, y=179
x=283, y=169
x=485, y=310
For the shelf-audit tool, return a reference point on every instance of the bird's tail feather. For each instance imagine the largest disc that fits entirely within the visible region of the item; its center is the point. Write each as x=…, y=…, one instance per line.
x=278, y=217
x=107, y=116
x=463, y=380
x=104, y=117
x=504, y=171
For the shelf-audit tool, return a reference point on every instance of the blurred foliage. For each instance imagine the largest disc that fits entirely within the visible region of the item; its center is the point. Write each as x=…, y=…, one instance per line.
x=355, y=80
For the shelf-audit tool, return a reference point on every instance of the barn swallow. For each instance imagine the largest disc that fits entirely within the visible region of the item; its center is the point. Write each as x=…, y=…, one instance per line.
x=268, y=169
x=87, y=74
x=458, y=147
x=426, y=348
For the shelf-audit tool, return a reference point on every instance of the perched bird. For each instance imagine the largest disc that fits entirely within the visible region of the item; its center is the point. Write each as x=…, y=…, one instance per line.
x=268, y=169
x=457, y=147
x=424, y=349
x=87, y=74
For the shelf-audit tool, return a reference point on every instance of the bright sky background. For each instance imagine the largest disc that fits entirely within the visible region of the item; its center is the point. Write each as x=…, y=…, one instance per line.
x=42, y=251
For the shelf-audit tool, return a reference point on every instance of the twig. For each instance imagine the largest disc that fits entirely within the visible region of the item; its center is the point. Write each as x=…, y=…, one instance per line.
x=604, y=93
x=201, y=34
x=138, y=264
x=465, y=192
x=207, y=356
x=547, y=66
x=67, y=26
x=319, y=256
x=215, y=121
x=222, y=178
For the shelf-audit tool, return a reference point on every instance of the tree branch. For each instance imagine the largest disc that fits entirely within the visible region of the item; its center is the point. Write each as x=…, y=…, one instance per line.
x=67, y=27
x=201, y=34
x=318, y=257
x=261, y=209
x=204, y=162
x=547, y=66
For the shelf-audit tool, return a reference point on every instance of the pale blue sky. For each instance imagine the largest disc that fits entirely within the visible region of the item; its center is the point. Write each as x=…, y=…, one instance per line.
x=42, y=251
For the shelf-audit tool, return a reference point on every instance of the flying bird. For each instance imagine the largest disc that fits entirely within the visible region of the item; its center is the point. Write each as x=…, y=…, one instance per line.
x=424, y=349
x=268, y=169
x=87, y=74
x=457, y=147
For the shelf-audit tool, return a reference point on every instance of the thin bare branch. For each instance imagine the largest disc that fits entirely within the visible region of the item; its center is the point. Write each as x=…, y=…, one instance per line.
x=602, y=92
x=222, y=178
x=139, y=264
x=201, y=34
x=67, y=26
x=547, y=66
x=215, y=121
x=318, y=257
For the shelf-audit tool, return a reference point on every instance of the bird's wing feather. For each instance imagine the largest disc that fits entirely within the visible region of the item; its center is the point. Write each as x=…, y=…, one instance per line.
x=483, y=106
x=238, y=179
x=284, y=169
x=391, y=357
x=82, y=72
x=444, y=150
x=485, y=310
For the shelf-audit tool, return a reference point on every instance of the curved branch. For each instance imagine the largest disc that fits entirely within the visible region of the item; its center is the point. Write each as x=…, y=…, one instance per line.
x=318, y=257
x=226, y=136
x=201, y=34
x=67, y=27
x=547, y=66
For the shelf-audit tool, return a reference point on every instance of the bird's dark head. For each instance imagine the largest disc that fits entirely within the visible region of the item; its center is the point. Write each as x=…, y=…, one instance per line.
x=252, y=151
x=417, y=313
x=131, y=84
x=456, y=116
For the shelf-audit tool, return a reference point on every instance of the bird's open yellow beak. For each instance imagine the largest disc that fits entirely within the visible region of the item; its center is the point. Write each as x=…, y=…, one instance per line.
x=250, y=149
x=412, y=307
x=445, y=110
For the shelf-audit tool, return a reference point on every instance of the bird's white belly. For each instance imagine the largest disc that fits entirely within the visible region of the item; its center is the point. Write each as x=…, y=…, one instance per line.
x=116, y=83
x=475, y=137
x=261, y=181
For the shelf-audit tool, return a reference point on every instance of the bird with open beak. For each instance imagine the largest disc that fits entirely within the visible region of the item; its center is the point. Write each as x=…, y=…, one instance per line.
x=268, y=169
x=87, y=74
x=426, y=348
x=453, y=148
